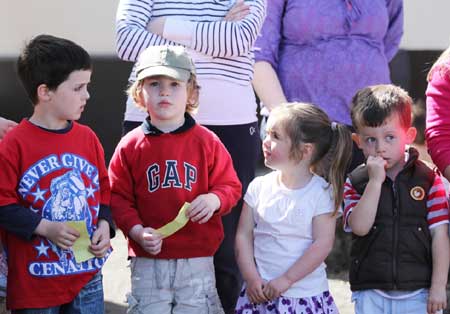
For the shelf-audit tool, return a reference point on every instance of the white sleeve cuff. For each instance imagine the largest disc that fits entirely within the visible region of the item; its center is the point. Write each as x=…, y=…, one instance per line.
x=347, y=227
x=179, y=31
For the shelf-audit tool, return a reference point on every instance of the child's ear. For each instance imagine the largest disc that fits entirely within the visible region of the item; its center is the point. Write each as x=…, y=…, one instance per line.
x=43, y=92
x=411, y=135
x=192, y=94
x=137, y=96
x=307, y=150
x=356, y=139
x=192, y=98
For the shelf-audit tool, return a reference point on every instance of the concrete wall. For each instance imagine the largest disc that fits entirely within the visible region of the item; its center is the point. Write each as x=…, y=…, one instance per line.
x=91, y=23
x=427, y=25
x=88, y=23
x=104, y=111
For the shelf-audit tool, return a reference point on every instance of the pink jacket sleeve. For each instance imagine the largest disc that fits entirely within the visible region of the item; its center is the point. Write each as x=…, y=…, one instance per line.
x=438, y=117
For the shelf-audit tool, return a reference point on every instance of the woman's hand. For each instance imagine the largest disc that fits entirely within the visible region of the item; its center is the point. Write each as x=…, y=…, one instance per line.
x=156, y=26
x=237, y=12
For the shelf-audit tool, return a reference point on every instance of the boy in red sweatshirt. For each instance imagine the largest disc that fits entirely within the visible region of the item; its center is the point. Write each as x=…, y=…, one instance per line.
x=156, y=168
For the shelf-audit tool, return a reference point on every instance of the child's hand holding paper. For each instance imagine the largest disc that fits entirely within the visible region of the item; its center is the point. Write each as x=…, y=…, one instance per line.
x=203, y=208
x=100, y=242
x=81, y=246
x=179, y=222
x=147, y=238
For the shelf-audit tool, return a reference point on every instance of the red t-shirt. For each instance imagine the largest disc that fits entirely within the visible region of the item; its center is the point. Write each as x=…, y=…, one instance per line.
x=61, y=176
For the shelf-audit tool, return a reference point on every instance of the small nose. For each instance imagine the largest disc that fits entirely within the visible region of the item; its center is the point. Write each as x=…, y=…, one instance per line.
x=266, y=141
x=379, y=146
x=164, y=90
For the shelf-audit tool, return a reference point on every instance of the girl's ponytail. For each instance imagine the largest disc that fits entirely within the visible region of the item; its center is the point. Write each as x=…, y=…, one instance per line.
x=341, y=153
x=306, y=123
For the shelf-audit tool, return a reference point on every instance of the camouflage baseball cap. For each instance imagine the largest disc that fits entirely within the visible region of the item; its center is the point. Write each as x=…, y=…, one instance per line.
x=172, y=61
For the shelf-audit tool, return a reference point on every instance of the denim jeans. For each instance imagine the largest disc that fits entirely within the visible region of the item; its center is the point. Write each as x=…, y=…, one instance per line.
x=368, y=301
x=88, y=301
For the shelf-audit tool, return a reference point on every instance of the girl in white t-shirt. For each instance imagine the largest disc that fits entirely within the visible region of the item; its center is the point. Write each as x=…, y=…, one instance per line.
x=287, y=225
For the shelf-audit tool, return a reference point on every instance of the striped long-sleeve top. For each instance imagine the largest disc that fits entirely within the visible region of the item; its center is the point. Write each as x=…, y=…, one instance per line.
x=221, y=49
x=437, y=205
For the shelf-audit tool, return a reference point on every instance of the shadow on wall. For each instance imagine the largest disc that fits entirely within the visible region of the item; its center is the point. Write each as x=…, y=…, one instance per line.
x=104, y=110
x=409, y=70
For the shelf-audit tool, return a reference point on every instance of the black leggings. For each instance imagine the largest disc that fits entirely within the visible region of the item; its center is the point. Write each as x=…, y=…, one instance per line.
x=244, y=146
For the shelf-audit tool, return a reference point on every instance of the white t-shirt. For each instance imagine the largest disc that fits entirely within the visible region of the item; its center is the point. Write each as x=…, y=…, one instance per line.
x=283, y=228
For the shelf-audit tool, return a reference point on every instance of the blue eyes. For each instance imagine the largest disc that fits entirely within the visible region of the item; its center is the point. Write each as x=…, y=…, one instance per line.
x=372, y=140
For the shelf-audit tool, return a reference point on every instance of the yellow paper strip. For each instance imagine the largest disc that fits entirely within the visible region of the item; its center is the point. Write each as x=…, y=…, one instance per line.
x=179, y=222
x=81, y=245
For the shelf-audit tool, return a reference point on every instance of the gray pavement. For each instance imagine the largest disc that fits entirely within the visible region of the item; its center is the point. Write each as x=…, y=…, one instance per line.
x=116, y=277
x=116, y=282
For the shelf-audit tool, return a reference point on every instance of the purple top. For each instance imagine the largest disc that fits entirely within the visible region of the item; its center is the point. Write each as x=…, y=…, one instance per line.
x=325, y=50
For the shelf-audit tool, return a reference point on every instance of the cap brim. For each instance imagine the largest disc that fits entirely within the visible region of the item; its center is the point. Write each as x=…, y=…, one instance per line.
x=175, y=73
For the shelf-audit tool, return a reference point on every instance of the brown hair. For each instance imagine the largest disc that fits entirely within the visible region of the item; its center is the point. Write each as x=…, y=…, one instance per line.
x=192, y=90
x=332, y=142
x=371, y=106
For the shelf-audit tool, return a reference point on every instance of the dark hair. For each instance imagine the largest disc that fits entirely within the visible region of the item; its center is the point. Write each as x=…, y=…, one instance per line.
x=306, y=123
x=371, y=106
x=49, y=60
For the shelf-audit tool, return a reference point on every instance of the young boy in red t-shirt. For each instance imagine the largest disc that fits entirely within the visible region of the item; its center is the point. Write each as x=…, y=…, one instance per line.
x=53, y=172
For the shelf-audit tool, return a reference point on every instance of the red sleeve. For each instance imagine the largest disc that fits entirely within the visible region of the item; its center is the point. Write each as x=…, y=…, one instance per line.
x=9, y=177
x=437, y=204
x=438, y=117
x=223, y=180
x=351, y=199
x=123, y=206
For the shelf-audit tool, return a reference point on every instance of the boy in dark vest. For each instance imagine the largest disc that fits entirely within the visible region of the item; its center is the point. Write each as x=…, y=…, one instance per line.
x=397, y=210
